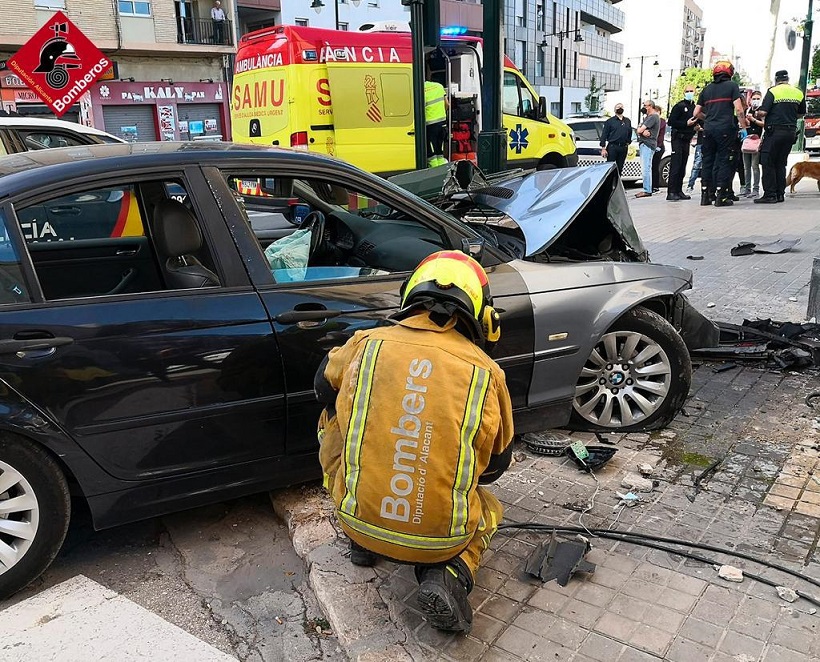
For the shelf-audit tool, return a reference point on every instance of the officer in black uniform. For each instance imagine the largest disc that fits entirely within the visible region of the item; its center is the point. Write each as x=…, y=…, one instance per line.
x=781, y=107
x=615, y=137
x=718, y=104
x=682, y=122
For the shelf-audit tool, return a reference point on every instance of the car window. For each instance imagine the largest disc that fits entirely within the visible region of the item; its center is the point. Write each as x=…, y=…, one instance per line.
x=34, y=140
x=118, y=239
x=331, y=230
x=586, y=130
x=12, y=284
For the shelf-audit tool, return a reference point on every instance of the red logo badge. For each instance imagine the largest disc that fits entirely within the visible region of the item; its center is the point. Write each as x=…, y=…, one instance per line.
x=59, y=63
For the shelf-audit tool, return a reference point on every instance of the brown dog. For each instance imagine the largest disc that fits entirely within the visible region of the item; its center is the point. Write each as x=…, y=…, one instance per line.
x=803, y=169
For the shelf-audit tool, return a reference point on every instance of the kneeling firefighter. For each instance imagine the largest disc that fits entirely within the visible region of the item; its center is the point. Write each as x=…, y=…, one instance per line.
x=417, y=415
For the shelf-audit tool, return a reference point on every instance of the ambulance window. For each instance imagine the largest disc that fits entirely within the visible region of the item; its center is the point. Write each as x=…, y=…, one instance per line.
x=509, y=99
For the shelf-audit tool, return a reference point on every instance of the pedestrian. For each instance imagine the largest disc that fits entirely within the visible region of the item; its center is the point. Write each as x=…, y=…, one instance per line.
x=435, y=115
x=416, y=417
x=682, y=123
x=657, y=157
x=780, y=109
x=718, y=104
x=751, y=154
x=616, y=137
x=697, y=163
x=647, y=143
x=218, y=20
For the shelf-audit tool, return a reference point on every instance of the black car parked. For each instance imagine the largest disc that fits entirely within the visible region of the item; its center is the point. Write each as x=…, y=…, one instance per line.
x=157, y=350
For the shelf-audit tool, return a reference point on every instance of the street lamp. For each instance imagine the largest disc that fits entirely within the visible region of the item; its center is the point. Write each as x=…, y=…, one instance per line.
x=317, y=5
x=544, y=46
x=640, y=83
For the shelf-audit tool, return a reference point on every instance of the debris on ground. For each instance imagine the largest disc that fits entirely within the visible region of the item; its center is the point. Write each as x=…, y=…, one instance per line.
x=633, y=481
x=787, y=594
x=702, y=478
x=730, y=573
x=559, y=560
x=783, y=344
x=694, y=257
x=546, y=443
x=627, y=500
x=646, y=470
x=711, y=304
x=772, y=247
x=588, y=458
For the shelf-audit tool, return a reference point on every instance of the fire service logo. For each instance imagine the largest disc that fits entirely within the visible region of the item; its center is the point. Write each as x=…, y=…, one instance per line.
x=59, y=63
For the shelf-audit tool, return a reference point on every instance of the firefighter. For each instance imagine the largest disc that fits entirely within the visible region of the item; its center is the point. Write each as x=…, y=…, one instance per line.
x=417, y=416
x=718, y=105
x=435, y=116
x=781, y=108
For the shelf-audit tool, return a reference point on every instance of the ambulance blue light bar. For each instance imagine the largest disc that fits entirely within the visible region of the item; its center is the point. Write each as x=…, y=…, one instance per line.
x=453, y=31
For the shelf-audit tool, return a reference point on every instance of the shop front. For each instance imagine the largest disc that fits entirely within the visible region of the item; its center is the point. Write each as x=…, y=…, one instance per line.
x=17, y=98
x=144, y=112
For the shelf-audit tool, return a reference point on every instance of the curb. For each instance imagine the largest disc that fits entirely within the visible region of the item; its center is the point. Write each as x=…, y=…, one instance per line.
x=348, y=595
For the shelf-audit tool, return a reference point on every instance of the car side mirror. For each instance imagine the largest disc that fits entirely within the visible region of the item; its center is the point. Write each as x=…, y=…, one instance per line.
x=474, y=247
x=542, y=108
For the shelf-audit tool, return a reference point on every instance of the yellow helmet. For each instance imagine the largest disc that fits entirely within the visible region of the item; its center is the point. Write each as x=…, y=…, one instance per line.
x=452, y=282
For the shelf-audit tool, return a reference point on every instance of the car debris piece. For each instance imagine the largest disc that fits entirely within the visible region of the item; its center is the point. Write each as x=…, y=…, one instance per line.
x=787, y=594
x=711, y=304
x=724, y=367
x=730, y=573
x=546, y=443
x=632, y=481
x=559, y=560
x=779, y=246
x=591, y=457
x=694, y=257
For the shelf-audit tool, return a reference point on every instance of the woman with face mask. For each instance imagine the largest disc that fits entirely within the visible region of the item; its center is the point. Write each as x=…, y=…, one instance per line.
x=751, y=160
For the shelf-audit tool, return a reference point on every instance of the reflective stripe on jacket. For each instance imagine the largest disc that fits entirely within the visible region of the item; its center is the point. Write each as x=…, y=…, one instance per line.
x=434, y=108
x=420, y=410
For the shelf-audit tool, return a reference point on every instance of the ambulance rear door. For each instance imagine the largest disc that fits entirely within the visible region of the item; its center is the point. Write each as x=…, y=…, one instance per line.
x=373, y=115
x=260, y=111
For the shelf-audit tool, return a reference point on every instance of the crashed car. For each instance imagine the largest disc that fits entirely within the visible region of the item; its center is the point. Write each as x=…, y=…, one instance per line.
x=162, y=316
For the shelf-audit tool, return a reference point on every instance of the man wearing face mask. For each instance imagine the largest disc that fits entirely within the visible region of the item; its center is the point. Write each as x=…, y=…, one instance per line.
x=615, y=137
x=682, y=122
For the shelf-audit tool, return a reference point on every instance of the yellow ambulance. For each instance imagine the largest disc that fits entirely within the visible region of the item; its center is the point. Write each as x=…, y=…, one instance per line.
x=349, y=95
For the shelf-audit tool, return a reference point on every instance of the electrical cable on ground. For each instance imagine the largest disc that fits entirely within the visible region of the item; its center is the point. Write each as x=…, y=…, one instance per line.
x=654, y=542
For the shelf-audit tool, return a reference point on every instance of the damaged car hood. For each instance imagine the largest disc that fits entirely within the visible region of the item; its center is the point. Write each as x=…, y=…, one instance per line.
x=544, y=204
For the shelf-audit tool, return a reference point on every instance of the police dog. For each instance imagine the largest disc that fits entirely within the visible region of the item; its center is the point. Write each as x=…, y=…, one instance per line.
x=803, y=169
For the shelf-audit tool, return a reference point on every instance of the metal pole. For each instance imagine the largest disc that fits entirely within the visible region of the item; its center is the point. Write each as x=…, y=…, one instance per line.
x=336, y=13
x=640, y=93
x=669, y=95
x=419, y=123
x=804, y=71
x=492, y=140
x=562, y=58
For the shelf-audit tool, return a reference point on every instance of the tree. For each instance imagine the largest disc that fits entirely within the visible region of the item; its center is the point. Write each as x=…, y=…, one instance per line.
x=774, y=12
x=814, y=70
x=700, y=78
x=593, y=100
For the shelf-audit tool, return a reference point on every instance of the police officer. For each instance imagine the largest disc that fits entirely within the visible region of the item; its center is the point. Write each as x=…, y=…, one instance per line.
x=435, y=115
x=682, y=122
x=781, y=107
x=417, y=415
x=615, y=138
x=718, y=105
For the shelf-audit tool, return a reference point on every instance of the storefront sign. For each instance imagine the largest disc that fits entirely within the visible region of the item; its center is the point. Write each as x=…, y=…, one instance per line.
x=125, y=93
x=11, y=80
x=196, y=126
x=25, y=96
x=183, y=126
x=59, y=63
x=129, y=133
x=167, y=122
x=210, y=125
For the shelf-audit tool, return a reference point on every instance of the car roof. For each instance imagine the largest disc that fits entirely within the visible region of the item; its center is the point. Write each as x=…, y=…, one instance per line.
x=7, y=121
x=45, y=167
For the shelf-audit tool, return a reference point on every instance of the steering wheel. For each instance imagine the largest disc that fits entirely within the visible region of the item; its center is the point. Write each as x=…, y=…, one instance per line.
x=315, y=222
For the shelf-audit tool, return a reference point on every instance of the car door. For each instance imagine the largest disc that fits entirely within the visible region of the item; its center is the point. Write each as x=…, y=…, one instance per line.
x=152, y=380
x=317, y=307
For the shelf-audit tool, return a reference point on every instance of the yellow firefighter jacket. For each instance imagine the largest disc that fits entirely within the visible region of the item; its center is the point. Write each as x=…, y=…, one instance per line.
x=420, y=410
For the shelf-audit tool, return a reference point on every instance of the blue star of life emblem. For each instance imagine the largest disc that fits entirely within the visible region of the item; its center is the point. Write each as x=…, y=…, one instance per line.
x=518, y=138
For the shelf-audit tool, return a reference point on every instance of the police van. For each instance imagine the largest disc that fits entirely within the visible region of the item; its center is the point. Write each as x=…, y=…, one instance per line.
x=350, y=95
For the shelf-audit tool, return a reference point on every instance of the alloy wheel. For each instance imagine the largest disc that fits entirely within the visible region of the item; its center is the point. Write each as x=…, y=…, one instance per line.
x=624, y=381
x=19, y=516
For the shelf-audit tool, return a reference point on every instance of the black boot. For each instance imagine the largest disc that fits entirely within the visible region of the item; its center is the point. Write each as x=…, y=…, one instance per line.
x=361, y=557
x=442, y=596
x=723, y=198
x=683, y=196
x=706, y=197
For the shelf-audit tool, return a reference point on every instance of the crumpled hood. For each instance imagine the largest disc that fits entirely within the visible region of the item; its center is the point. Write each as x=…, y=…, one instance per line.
x=545, y=203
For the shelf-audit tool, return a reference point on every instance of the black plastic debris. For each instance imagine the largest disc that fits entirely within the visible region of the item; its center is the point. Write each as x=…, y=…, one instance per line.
x=694, y=257
x=597, y=457
x=779, y=246
x=559, y=560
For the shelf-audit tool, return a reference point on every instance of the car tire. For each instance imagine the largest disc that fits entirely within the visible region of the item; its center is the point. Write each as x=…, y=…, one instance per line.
x=32, y=530
x=665, y=167
x=642, y=395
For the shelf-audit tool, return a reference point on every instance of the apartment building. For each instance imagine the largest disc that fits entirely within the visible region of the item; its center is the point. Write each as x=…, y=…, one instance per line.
x=569, y=42
x=171, y=61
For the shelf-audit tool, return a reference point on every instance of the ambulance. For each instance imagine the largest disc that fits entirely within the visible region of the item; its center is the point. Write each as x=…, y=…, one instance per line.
x=350, y=95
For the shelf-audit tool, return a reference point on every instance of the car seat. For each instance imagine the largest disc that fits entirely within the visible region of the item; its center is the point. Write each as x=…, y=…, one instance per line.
x=178, y=239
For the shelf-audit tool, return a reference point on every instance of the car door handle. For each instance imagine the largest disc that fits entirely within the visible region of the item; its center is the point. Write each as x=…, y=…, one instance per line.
x=30, y=344
x=313, y=314
x=411, y=133
x=65, y=210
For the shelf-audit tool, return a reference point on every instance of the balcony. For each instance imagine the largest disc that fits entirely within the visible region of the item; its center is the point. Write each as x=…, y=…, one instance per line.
x=204, y=31
x=602, y=14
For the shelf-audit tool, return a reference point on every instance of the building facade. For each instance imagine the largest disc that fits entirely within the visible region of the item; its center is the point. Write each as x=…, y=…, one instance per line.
x=171, y=65
x=569, y=41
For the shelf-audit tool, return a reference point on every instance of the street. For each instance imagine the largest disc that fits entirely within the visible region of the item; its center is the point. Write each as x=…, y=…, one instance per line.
x=229, y=575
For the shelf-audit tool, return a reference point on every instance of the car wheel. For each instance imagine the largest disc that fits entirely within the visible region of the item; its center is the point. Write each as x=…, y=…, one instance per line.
x=665, y=167
x=34, y=512
x=636, y=377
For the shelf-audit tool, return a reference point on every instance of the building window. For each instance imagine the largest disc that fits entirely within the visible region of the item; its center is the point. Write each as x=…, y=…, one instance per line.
x=556, y=61
x=575, y=107
x=539, y=62
x=134, y=8
x=539, y=15
x=555, y=108
x=521, y=55
x=49, y=4
x=520, y=13
x=575, y=66
x=342, y=26
x=301, y=22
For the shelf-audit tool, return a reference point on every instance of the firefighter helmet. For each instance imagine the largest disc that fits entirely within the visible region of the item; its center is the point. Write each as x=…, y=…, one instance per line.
x=453, y=282
x=723, y=67
x=57, y=51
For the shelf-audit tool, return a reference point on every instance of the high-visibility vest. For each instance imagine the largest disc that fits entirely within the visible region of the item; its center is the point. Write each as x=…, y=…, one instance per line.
x=434, y=109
